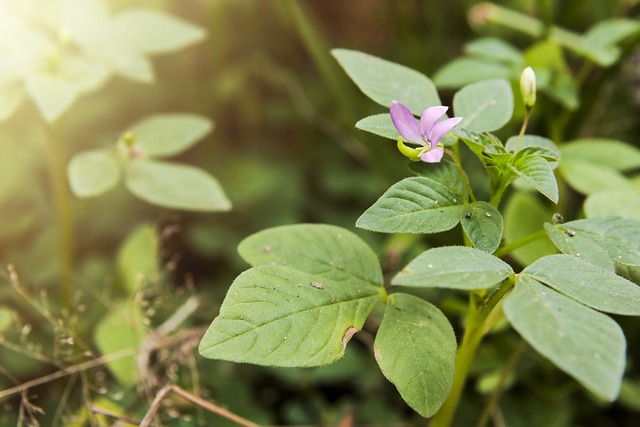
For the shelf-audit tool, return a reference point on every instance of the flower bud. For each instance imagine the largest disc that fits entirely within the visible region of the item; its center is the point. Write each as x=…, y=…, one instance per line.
x=528, y=87
x=128, y=138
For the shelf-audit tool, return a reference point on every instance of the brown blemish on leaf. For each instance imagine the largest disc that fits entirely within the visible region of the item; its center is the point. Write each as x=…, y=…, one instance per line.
x=346, y=337
x=570, y=233
x=266, y=249
x=317, y=285
x=377, y=355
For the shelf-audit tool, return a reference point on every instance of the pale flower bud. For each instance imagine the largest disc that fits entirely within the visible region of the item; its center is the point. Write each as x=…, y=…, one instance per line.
x=528, y=87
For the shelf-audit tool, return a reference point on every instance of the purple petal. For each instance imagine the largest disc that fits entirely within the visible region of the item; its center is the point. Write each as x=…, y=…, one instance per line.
x=432, y=156
x=429, y=117
x=404, y=122
x=440, y=129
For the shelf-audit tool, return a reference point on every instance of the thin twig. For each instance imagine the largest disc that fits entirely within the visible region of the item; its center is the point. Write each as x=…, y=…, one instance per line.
x=121, y=418
x=155, y=406
x=67, y=371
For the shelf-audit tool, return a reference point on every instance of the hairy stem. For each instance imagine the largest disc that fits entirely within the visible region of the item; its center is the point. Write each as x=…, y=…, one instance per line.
x=473, y=334
x=510, y=247
x=464, y=176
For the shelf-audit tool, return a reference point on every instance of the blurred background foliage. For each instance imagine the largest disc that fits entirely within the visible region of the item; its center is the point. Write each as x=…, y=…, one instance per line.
x=285, y=150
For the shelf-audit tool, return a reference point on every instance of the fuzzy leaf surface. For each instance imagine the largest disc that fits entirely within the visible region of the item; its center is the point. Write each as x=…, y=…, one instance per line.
x=483, y=225
x=537, y=172
x=415, y=348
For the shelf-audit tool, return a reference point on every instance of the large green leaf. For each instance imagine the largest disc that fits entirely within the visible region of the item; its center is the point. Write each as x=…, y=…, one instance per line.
x=385, y=81
x=175, y=186
x=580, y=246
x=484, y=106
x=586, y=344
x=482, y=223
x=277, y=316
x=170, y=134
x=92, y=173
x=317, y=249
x=587, y=283
x=414, y=205
x=444, y=172
x=379, y=124
x=619, y=237
x=152, y=31
x=415, y=347
x=537, y=172
x=455, y=267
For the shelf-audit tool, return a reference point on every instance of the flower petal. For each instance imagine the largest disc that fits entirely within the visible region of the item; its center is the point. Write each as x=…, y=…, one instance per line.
x=429, y=117
x=405, y=123
x=440, y=129
x=432, y=156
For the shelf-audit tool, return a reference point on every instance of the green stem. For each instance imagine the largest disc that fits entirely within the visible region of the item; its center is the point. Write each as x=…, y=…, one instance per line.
x=473, y=334
x=464, y=176
x=497, y=190
x=493, y=399
x=62, y=196
x=525, y=122
x=510, y=247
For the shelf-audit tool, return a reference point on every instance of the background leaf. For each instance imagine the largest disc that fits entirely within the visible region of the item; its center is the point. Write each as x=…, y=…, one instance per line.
x=413, y=205
x=385, y=81
x=278, y=316
x=92, y=173
x=624, y=203
x=484, y=106
x=138, y=257
x=170, y=134
x=455, y=267
x=587, y=283
x=175, y=186
x=586, y=344
x=416, y=348
x=482, y=223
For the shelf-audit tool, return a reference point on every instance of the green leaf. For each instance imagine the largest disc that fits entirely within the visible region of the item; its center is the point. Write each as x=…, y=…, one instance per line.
x=119, y=330
x=385, y=81
x=619, y=237
x=138, y=257
x=464, y=71
x=606, y=152
x=153, y=32
x=586, y=344
x=52, y=95
x=379, y=124
x=484, y=106
x=175, y=186
x=526, y=205
x=588, y=177
x=495, y=48
x=600, y=40
x=544, y=146
x=624, y=203
x=415, y=348
x=456, y=267
x=537, y=172
x=317, y=249
x=445, y=173
x=482, y=223
x=165, y=135
x=93, y=172
x=413, y=205
x=577, y=245
x=587, y=283
x=275, y=315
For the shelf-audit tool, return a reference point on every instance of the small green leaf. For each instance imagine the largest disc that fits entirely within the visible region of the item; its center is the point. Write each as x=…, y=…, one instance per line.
x=121, y=329
x=138, y=260
x=413, y=205
x=624, y=203
x=586, y=344
x=456, y=267
x=484, y=106
x=278, y=316
x=379, y=124
x=415, y=348
x=175, y=186
x=153, y=32
x=464, y=71
x=317, y=249
x=165, y=135
x=495, y=48
x=619, y=237
x=544, y=146
x=587, y=283
x=93, y=173
x=385, y=81
x=482, y=223
x=569, y=243
x=537, y=172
